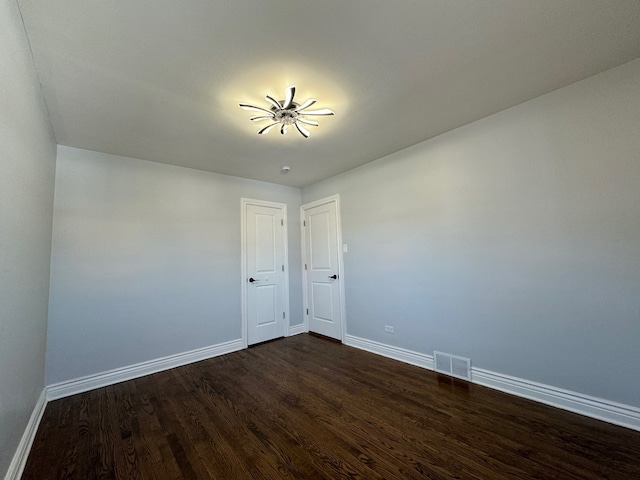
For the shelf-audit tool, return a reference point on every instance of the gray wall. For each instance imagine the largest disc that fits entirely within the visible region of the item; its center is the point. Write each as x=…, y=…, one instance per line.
x=27, y=164
x=514, y=240
x=146, y=261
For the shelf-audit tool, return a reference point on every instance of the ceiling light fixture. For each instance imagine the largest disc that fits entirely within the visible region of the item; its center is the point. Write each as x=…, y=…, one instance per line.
x=287, y=112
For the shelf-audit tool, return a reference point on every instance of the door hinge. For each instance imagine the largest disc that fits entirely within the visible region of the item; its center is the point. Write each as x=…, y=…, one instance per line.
x=307, y=311
x=283, y=315
x=304, y=223
x=283, y=268
x=305, y=266
x=282, y=222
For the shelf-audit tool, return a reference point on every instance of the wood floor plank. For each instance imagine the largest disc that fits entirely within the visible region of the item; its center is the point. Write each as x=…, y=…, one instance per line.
x=384, y=412
x=336, y=458
x=362, y=430
x=308, y=408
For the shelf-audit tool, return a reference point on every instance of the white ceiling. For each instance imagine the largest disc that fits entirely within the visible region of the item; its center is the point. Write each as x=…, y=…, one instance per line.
x=161, y=79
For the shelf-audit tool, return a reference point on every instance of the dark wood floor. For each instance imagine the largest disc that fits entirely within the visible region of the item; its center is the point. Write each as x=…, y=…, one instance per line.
x=305, y=408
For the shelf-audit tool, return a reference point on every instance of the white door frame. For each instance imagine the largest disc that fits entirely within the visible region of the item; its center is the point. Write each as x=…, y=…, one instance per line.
x=244, y=202
x=336, y=199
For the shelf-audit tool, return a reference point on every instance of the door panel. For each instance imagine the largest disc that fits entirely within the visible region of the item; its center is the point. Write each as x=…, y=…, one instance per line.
x=323, y=276
x=265, y=276
x=320, y=244
x=321, y=300
x=266, y=305
x=265, y=250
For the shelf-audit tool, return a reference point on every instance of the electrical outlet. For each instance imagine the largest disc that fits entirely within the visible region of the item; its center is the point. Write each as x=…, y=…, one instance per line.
x=388, y=328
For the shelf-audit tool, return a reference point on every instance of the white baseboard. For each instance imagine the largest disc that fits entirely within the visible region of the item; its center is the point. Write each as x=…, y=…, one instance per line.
x=19, y=460
x=397, y=353
x=296, y=330
x=90, y=382
x=598, y=408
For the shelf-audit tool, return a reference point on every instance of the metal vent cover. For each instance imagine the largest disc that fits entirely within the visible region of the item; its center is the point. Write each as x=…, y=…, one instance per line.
x=459, y=367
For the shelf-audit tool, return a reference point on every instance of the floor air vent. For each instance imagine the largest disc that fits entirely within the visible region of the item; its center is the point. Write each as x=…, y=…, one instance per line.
x=453, y=365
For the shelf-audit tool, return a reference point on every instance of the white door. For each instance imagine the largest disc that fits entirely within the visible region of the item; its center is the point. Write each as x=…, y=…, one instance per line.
x=264, y=273
x=322, y=268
